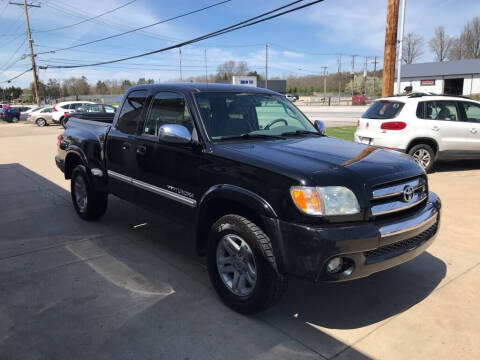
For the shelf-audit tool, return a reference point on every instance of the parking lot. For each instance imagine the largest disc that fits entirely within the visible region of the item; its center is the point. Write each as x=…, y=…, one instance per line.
x=130, y=287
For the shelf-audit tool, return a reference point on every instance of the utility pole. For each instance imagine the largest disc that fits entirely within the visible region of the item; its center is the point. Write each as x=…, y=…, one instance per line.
x=375, y=61
x=206, y=68
x=30, y=43
x=390, y=47
x=365, y=75
x=324, y=68
x=400, y=48
x=339, y=76
x=266, y=66
x=352, y=72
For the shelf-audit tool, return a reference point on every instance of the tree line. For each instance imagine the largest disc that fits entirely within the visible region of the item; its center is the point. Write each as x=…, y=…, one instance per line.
x=443, y=46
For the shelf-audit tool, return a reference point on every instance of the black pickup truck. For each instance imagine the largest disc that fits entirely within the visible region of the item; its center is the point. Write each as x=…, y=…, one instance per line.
x=262, y=192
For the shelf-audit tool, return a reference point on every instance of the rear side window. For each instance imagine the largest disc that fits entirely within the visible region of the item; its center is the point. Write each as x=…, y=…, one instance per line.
x=131, y=110
x=421, y=110
x=167, y=108
x=383, y=110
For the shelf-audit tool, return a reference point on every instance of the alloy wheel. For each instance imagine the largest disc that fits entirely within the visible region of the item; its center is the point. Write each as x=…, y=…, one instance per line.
x=81, y=196
x=422, y=157
x=236, y=265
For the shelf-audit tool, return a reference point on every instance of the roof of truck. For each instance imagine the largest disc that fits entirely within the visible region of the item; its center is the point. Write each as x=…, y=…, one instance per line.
x=204, y=87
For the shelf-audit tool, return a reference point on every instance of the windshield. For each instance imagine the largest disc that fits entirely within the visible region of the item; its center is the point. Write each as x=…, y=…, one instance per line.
x=383, y=110
x=229, y=115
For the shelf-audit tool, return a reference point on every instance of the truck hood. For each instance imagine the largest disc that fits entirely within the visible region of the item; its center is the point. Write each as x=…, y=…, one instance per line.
x=317, y=159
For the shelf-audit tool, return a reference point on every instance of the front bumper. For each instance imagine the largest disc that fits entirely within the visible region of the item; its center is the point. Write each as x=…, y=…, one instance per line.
x=366, y=248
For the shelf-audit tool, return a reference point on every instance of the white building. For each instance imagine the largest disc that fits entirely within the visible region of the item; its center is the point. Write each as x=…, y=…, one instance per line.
x=460, y=77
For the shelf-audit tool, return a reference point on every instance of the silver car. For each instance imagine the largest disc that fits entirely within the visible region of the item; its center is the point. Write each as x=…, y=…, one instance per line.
x=42, y=117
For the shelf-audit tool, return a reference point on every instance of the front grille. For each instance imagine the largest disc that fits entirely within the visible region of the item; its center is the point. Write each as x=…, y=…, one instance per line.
x=400, y=247
x=398, y=196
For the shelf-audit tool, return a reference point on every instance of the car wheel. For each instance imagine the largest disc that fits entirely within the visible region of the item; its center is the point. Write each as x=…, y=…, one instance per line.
x=90, y=204
x=41, y=122
x=423, y=155
x=14, y=119
x=241, y=265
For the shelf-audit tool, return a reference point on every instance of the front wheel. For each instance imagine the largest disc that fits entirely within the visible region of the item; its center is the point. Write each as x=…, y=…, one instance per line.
x=89, y=204
x=242, y=266
x=423, y=155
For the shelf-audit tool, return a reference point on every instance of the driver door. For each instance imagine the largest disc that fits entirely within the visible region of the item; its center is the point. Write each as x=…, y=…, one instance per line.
x=166, y=175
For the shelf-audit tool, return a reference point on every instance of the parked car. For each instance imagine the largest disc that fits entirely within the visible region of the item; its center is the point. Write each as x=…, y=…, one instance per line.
x=61, y=108
x=42, y=117
x=94, y=112
x=290, y=97
x=262, y=192
x=10, y=114
x=427, y=127
x=24, y=114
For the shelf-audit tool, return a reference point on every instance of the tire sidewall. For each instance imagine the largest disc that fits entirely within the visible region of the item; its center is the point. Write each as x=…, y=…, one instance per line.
x=80, y=170
x=252, y=302
x=430, y=151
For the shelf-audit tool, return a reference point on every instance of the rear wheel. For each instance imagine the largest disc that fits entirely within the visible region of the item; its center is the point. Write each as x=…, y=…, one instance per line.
x=14, y=119
x=90, y=204
x=242, y=266
x=41, y=122
x=423, y=155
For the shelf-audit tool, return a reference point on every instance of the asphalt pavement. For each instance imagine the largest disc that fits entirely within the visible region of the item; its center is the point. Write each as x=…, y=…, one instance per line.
x=131, y=287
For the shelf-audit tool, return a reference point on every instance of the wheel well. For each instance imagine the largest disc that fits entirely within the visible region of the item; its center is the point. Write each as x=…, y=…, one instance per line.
x=430, y=142
x=71, y=161
x=214, y=210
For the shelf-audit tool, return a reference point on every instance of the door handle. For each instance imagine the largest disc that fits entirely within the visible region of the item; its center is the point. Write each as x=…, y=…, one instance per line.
x=435, y=128
x=141, y=149
x=473, y=130
x=126, y=146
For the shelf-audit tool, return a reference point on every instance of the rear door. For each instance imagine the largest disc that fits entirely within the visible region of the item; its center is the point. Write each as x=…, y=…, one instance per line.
x=120, y=146
x=46, y=114
x=445, y=125
x=166, y=172
x=471, y=115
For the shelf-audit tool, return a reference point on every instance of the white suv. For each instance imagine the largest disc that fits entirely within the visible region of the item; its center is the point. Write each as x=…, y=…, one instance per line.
x=61, y=108
x=427, y=127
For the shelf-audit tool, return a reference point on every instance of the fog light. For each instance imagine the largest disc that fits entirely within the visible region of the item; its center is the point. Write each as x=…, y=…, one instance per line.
x=335, y=265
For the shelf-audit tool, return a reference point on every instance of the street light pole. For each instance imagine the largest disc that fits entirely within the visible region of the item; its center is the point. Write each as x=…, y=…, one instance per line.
x=400, y=48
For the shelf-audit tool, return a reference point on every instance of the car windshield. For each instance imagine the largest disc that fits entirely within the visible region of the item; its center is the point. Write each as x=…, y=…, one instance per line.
x=245, y=116
x=383, y=110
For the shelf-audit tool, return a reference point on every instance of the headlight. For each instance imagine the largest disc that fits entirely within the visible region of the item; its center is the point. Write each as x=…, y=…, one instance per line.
x=329, y=200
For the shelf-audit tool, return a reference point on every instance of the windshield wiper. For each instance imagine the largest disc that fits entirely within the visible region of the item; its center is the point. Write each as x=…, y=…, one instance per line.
x=301, y=132
x=251, y=136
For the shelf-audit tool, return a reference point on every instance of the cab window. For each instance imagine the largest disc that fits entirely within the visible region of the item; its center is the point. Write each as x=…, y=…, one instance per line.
x=130, y=114
x=167, y=108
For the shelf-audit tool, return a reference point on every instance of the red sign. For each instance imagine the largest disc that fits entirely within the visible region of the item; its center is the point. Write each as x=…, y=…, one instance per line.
x=427, y=82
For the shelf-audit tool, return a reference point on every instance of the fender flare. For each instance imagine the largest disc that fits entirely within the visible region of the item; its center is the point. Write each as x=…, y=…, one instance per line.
x=240, y=195
x=74, y=150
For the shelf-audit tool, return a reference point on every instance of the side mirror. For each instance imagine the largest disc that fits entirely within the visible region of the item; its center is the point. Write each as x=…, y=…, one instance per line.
x=174, y=133
x=320, y=126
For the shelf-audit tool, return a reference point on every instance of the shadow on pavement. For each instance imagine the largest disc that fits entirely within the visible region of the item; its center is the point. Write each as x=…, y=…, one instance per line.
x=457, y=165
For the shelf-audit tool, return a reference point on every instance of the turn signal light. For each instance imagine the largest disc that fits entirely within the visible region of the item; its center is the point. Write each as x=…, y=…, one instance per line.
x=393, y=125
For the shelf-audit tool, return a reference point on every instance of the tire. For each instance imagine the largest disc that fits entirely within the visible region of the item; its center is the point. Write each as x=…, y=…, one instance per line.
x=41, y=122
x=89, y=204
x=14, y=119
x=267, y=287
x=423, y=155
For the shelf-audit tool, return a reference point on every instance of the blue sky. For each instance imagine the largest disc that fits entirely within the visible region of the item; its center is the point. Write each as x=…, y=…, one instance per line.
x=296, y=40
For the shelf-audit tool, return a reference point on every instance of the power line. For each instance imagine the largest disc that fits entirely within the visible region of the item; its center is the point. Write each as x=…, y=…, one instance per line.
x=140, y=28
x=86, y=20
x=16, y=76
x=243, y=24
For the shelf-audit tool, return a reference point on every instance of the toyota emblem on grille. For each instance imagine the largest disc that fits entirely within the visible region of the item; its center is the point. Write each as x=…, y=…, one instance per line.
x=408, y=193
